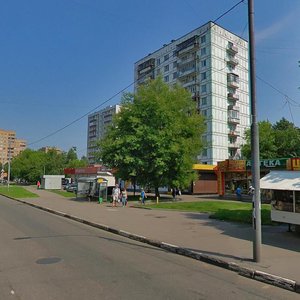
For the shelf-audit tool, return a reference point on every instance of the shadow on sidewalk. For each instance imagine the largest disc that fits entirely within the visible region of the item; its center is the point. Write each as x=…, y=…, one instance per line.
x=276, y=236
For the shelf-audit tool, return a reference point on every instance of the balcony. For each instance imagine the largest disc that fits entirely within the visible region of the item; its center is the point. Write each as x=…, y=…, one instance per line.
x=232, y=49
x=188, y=45
x=187, y=72
x=233, y=107
x=233, y=120
x=196, y=95
x=233, y=84
x=233, y=145
x=233, y=80
x=233, y=133
x=232, y=61
x=188, y=83
x=146, y=66
x=184, y=60
x=233, y=96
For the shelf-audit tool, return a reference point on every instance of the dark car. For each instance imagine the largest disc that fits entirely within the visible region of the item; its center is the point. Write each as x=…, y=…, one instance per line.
x=72, y=187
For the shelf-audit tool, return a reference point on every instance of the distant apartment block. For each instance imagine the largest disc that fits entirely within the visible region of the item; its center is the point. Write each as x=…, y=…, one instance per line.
x=10, y=146
x=212, y=64
x=46, y=149
x=97, y=126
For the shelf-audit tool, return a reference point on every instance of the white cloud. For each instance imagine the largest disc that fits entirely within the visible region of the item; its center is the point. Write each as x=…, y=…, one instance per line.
x=277, y=27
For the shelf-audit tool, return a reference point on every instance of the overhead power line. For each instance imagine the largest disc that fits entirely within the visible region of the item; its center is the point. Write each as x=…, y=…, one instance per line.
x=122, y=90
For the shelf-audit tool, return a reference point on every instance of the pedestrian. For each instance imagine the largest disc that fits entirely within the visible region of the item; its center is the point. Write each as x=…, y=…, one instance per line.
x=124, y=197
x=143, y=196
x=115, y=194
x=174, y=194
x=38, y=184
x=239, y=193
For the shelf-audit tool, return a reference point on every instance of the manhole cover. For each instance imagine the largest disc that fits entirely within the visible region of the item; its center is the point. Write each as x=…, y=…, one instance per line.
x=48, y=260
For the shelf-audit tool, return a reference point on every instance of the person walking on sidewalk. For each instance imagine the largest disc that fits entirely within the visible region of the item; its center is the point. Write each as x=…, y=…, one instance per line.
x=143, y=196
x=239, y=193
x=38, y=184
x=124, y=197
x=174, y=193
x=115, y=195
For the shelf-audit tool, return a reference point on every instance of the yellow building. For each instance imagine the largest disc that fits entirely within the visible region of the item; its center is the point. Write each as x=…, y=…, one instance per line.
x=10, y=146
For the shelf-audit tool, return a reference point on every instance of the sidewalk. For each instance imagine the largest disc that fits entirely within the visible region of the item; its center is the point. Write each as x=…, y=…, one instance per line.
x=215, y=240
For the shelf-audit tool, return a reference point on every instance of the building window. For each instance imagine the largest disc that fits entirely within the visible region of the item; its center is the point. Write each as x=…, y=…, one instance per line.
x=203, y=63
x=203, y=76
x=157, y=71
x=166, y=78
x=166, y=57
x=203, y=51
x=174, y=75
x=203, y=88
x=158, y=61
x=174, y=64
x=204, y=100
x=204, y=152
x=203, y=39
x=204, y=112
x=166, y=68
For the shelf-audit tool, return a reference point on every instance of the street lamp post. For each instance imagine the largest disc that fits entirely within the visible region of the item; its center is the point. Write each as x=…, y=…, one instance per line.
x=9, y=156
x=254, y=141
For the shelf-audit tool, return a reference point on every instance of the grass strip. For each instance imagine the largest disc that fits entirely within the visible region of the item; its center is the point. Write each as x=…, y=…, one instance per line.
x=16, y=192
x=220, y=210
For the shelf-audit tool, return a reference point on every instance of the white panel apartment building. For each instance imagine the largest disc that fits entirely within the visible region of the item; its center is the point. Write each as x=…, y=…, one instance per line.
x=97, y=126
x=211, y=63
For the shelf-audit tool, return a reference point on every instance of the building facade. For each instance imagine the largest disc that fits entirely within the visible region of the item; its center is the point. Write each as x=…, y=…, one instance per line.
x=97, y=126
x=46, y=149
x=10, y=146
x=212, y=64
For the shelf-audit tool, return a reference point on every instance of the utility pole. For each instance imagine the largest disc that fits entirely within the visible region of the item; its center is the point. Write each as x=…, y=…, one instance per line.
x=255, y=162
x=9, y=156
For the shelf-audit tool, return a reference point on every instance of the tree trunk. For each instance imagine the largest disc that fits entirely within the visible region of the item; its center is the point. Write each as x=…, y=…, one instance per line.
x=134, y=185
x=156, y=192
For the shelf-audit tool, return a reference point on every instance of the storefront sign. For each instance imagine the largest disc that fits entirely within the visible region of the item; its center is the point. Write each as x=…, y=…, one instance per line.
x=270, y=163
x=222, y=166
x=236, y=165
x=294, y=164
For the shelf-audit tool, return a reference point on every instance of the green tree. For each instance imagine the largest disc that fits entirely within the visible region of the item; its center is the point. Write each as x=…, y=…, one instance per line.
x=267, y=147
x=155, y=138
x=72, y=154
x=28, y=165
x=287, y=138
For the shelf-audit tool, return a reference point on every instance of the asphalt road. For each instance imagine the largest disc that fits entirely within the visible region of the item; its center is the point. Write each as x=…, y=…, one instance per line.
x=43, y=256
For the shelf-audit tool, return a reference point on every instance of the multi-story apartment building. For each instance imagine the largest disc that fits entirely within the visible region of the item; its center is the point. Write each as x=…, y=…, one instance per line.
x=97, y=126
x=10, y=146
x=211, y=63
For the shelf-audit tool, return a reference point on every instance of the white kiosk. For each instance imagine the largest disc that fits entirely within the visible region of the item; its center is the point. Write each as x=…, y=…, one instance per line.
x=284, y=189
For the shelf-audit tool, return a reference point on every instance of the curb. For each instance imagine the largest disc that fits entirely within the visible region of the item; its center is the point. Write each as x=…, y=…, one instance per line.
x=271, y=279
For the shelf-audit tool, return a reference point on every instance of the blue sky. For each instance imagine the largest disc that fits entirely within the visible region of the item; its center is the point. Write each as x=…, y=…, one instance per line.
x=60, y=59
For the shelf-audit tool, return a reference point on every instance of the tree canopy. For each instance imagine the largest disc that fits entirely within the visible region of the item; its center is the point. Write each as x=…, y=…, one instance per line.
x=156, y=136
x=30, y=165
x=281, y=139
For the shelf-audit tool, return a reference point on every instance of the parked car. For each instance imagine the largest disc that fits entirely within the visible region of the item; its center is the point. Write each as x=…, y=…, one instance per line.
x=72, y=187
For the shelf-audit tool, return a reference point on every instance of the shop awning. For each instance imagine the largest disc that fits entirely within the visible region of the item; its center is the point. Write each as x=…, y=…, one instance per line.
x=281, y=180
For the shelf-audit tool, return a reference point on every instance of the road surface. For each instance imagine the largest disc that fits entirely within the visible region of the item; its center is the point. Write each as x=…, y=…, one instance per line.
x=44, y=256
